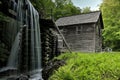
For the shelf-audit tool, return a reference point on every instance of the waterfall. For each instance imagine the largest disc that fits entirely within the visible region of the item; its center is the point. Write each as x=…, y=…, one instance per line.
x=13, y=62
x=13, y=59
x=28, y=19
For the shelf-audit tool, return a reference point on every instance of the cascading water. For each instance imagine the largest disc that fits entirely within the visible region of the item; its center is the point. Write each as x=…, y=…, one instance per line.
x=13, y=62
x=26, y=50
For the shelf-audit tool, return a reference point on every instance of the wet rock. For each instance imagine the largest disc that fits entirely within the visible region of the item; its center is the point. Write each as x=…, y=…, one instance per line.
x=23, y=77
x=51, y=66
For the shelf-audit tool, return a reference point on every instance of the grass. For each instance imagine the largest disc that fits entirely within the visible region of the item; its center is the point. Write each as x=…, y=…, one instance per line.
x=89, y=66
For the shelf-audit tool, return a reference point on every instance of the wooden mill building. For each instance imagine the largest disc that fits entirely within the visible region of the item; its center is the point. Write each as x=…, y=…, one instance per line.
x=83, y=32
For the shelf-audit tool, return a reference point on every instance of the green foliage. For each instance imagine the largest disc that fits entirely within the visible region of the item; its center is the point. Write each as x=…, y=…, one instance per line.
x=111, y=17
x=56, y=8
x=89, y=66
x=86, y=10
x=65, y=8
x=44, y=7
x=3, y=17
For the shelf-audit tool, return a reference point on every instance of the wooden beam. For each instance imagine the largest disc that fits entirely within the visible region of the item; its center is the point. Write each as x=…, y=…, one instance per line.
x=63, y=38
x=12, y=12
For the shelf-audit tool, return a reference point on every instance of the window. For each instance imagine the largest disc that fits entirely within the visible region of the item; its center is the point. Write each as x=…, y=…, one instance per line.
x=78, y=29
x=98, y=31
x=88, y=28
x=64, y=45
x=63, y=31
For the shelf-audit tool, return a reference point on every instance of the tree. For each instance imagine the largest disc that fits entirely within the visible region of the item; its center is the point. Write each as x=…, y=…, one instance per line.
x=86, y=10
x=56, y=8
x=66, y=10
x=111, y=17
x=44, y=7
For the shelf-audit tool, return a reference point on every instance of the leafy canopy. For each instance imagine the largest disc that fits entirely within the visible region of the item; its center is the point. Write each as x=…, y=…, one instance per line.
x=56, y=8
x=111, y=17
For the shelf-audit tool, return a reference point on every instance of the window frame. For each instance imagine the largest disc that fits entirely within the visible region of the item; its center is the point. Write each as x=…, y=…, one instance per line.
x=79, y=29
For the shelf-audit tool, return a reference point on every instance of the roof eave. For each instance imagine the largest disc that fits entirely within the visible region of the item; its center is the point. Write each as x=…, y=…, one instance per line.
x=77, y=24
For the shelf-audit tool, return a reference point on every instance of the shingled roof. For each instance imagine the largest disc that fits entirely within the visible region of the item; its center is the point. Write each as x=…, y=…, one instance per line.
x=91, y=17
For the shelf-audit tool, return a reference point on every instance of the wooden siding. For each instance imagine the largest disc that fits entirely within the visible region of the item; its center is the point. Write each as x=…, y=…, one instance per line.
x=98, y=37
x=82, y=41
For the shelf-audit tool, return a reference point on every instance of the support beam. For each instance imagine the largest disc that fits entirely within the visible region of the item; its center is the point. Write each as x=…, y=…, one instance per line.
x=63, y=38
